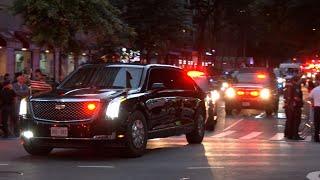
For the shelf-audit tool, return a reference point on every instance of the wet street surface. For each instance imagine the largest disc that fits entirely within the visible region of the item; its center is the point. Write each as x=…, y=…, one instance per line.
x=244, y=146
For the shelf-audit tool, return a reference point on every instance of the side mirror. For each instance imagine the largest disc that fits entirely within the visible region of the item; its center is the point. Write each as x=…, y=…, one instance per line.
x=157, y=86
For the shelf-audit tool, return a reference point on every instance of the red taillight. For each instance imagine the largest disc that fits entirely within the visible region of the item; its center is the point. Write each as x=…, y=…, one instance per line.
x=91, y=106
x=195, y=74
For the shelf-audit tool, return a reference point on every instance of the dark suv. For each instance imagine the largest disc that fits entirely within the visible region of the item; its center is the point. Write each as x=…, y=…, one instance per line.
x=116, y=105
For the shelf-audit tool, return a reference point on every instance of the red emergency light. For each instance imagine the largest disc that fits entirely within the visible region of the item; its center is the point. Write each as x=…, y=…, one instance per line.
x=261, y=76
x=195, y=74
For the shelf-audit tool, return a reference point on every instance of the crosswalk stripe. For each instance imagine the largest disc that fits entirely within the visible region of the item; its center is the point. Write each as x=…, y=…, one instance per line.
x=251, y=135
x=308, y=138
x=223, y=134
x=277, y=137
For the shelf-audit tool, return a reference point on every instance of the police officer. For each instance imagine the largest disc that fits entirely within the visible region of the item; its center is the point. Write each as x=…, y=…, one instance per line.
x=297, y=106
x=293, y=105
x=288, y=106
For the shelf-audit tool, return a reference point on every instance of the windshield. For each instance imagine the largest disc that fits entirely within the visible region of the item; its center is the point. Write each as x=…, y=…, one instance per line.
x=253, y=78
x=104, y=78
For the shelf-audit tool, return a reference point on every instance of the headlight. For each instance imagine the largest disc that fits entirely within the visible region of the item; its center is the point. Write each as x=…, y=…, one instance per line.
x=23, y=107
x=215, y=95
x=224, y=86
x=230, y=93
x=27, y=134
x=265, y=94
x=113, y=108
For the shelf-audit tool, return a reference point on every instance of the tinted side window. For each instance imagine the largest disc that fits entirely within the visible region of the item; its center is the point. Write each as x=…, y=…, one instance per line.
x=161, y=75
x=183, y=81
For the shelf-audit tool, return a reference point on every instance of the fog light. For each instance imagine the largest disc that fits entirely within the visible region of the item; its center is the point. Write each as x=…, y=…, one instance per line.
x=27, y=134
x=120, y=136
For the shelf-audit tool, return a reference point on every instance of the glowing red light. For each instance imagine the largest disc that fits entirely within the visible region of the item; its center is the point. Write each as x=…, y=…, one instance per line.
x=261, y=76
x=195, y=74
x=91, y=106
x=240, y=93
x=254, y=93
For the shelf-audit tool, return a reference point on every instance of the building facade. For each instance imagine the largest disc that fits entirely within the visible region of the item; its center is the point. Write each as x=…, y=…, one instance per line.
x=19, y=54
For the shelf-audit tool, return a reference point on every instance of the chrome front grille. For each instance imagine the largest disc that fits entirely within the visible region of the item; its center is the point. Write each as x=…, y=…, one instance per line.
x=57, y=111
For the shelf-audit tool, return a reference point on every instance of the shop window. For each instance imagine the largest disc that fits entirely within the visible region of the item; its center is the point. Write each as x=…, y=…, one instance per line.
x=82, y=60
x=46, y=63
x=22, y=61
x=70, y=64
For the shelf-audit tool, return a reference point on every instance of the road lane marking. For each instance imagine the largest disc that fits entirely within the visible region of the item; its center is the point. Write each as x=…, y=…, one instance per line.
x=4, y=164
x=314, y=175
x=260, y=116
x=232, y=125
x=281, y=115
x=205, y=167
x=277, y=137
x=308, y=138
x=208, y=155
x=223, y=134
x=110, y=167
x=251, y=135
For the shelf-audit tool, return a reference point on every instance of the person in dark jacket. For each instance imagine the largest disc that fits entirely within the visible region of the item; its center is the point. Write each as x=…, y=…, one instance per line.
x=22, y=91
x=8, y=96
x=293, y=104
x=297, y=107
x=288, y=106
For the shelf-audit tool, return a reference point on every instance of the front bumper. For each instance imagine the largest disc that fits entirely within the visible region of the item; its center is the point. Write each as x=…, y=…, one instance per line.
x=97, y=132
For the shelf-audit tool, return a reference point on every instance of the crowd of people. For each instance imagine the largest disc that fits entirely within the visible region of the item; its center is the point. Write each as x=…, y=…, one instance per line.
x=12, y=91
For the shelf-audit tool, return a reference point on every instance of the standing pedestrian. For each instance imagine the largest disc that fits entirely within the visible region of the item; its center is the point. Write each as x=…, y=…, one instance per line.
x=288, y=106
x=314, y=96
x=22, y=91
x=7, y=96
x=297, y=107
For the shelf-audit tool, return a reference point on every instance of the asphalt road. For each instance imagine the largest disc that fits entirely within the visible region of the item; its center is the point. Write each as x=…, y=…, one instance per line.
x=244, y=146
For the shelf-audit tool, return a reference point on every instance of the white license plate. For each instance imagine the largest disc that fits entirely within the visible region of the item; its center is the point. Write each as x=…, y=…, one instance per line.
x=245, y=104
x=59, y=131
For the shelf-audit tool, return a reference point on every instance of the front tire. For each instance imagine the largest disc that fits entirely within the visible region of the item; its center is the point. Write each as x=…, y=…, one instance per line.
x=36, y=150
x=137, y=135
x=196, y=136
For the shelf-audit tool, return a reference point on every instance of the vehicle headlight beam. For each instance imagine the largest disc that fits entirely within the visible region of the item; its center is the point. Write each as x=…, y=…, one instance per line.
x=230, y=93
x=113, y=108
x=23, y=107
x=265, y=94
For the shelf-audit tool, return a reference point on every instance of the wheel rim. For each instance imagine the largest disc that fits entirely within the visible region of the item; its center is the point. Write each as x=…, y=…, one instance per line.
x=138, y=133
x=200, y=125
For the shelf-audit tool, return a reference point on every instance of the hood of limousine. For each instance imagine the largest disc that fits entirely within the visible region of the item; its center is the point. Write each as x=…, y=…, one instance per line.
x=83, y=93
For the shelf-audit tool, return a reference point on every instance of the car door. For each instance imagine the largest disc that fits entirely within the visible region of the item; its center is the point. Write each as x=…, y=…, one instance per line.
x=189, y=97
x=160, y=103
